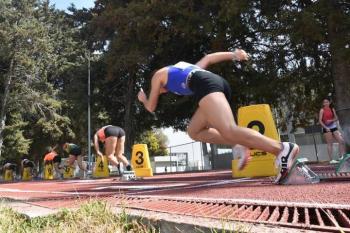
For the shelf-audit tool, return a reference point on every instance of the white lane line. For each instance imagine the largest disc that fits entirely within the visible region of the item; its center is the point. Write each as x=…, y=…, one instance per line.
x=162, y=187
x=139, y=187
x=39, y=191
x=197, y=186
x=142, y=188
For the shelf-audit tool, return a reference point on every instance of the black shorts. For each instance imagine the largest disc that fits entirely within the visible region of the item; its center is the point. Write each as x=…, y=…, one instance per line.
x=76, y=151
x=28, y=163
x=331, y=130
x=203, y=83
x=10, y=166
x=114, y=131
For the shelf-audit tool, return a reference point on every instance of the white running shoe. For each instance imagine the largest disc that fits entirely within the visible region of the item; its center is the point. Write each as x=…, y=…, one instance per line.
x=243, y=154
x=285, y=159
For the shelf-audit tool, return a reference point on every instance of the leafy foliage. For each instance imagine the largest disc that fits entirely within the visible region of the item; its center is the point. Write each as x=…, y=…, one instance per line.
x=156, y=142
x=38, y=47
x=299, y=54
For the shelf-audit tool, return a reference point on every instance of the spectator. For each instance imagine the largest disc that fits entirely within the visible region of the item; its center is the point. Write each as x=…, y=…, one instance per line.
x=328, y=120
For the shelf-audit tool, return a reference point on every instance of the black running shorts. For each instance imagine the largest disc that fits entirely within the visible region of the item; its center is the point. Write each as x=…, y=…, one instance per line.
x=114, y=131
x=76, y=151
x=330, y=131
x=10, y=166
x=28, y=163
x=203, y=83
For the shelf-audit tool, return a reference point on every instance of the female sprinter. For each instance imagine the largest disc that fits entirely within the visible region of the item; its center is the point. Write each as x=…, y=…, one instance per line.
x=113, y=138
x=74, y=153
x=213, y=121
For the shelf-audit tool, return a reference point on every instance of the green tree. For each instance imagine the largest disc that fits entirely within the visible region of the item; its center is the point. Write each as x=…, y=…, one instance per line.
x=37, y=48
x=311, y=42
x=293, y=54
x=156, y=142
x=141, y=36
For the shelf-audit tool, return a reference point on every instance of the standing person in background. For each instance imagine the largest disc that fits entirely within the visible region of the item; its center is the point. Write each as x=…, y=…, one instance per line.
x=51, y=157
x=74, y=152
x=328, y=120
x=113, y=139
x=213, y=121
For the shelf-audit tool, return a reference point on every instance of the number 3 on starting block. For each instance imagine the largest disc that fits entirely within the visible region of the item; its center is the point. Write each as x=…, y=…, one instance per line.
x=140, y=161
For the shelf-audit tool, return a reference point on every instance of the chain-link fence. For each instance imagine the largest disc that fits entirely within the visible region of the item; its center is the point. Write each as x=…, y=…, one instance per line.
x=181, y=158
x=195, y=156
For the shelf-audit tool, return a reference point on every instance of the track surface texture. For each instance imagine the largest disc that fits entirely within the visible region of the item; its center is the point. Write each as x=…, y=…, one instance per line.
x=322, y=207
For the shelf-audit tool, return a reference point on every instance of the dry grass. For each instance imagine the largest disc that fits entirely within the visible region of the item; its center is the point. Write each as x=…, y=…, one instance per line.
x=95, y=216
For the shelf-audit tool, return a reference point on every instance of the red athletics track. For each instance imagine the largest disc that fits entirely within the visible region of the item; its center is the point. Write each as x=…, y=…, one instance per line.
x=211, y=195
x=210, y=185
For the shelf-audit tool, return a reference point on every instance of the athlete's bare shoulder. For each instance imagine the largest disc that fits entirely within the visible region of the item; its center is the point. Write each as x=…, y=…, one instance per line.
x=161, y=75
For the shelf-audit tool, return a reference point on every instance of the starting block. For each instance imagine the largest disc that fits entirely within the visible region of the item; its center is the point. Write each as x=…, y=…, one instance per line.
x=68, y=172
x=101, y=167
x=9, y=175
x=344, y=164
x=27, y=174
x=300, y=173
x=128, y=175
x=140, y=161
x=48, y=171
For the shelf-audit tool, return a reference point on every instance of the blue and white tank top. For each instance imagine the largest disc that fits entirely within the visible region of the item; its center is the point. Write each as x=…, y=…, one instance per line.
x=177, y=75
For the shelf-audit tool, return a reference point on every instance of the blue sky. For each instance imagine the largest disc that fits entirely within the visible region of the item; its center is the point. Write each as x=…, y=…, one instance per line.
x=64, y=4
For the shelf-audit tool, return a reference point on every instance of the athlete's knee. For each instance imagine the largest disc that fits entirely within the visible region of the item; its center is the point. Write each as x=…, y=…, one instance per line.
x=110, y=157
x=81, y=166
x=119, y=156
x=341, y=141
x=193, y=133
x=71, y=162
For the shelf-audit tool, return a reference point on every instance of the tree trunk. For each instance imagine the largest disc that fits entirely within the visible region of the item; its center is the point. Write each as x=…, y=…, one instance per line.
x=340, y=68
x=3, y=111
x=128, y=117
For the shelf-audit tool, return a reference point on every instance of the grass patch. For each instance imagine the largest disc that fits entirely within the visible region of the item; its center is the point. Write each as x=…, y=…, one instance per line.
x=94, y=216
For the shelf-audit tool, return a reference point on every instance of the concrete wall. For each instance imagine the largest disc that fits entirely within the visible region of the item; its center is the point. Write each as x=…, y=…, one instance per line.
x=309, y=152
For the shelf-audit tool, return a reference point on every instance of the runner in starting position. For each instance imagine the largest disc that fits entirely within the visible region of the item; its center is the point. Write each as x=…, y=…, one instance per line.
x=213, y=121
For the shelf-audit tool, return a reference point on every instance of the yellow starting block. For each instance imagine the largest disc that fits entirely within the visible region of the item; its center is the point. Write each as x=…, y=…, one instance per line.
x=48, y=172
x=259, y=118
x=140, y=161
x=101, y=168
x=27, y=174
x=68, y=172
x=8, y=175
